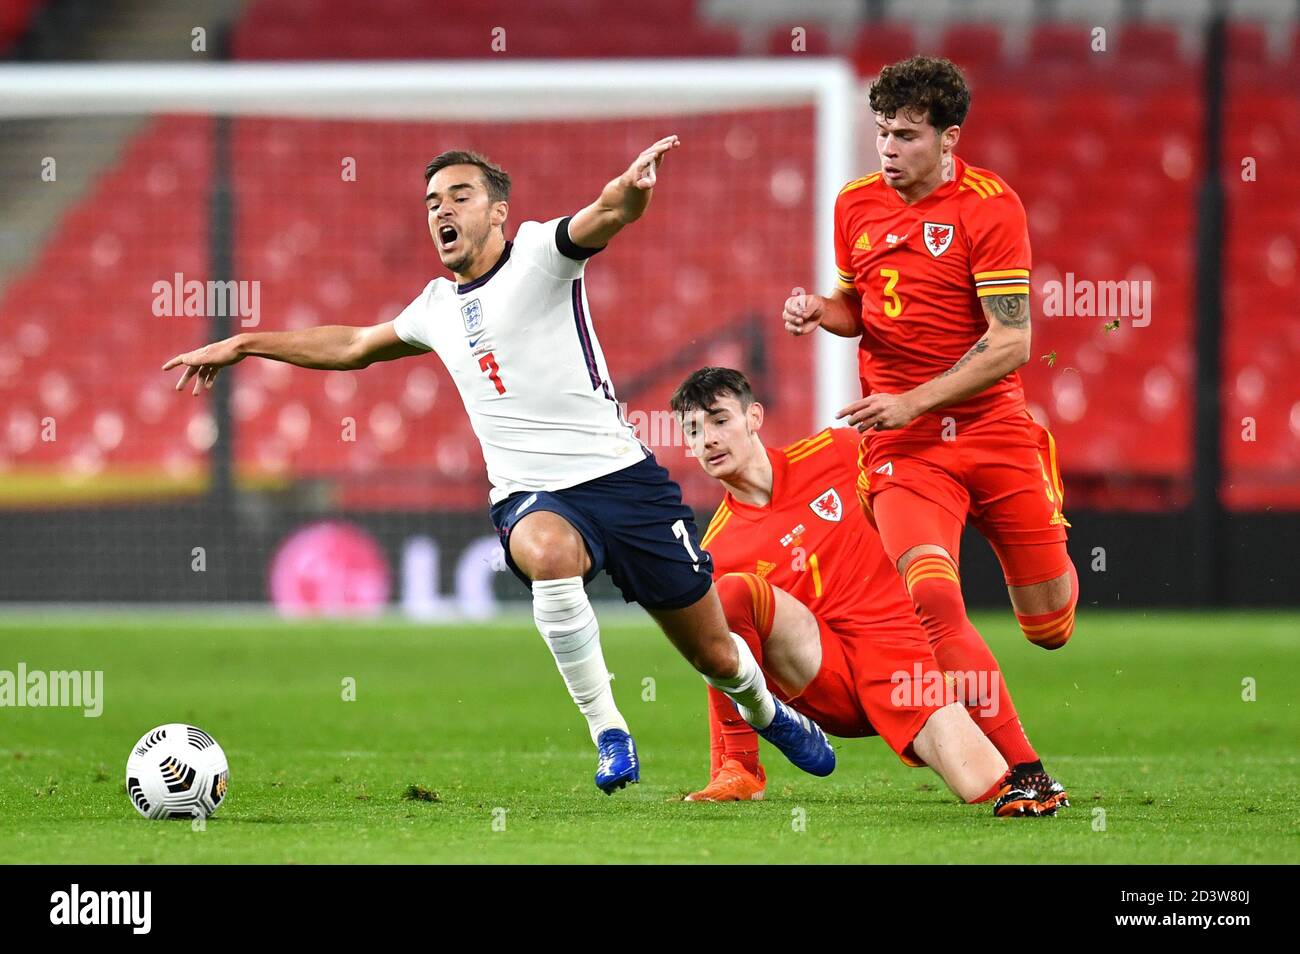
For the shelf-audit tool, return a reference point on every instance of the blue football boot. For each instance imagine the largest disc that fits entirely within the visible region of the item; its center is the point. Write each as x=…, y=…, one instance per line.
x=618, y=765
x=800, y=740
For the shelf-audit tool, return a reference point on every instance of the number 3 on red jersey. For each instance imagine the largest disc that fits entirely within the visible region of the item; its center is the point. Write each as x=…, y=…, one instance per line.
x=489, y=364
x=893, y=305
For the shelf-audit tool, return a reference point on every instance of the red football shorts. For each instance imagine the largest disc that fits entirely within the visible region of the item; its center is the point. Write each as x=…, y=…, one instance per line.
x=875, y=683
x=1003, y=475
x=880, y=679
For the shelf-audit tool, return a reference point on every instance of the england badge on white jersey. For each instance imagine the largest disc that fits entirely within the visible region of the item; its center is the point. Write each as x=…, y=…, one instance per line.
x=472, y=312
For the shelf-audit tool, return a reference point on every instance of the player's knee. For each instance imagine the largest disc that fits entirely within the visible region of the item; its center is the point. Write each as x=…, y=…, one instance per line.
x=549, y=553
x=1053, y=630
x=715, y=658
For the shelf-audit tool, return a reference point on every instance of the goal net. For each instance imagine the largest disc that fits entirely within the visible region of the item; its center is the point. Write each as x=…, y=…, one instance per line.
x=150, y=209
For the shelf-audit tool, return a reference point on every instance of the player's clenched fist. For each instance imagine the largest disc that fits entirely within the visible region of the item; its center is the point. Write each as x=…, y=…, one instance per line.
x=803, y=313
x=203, y=363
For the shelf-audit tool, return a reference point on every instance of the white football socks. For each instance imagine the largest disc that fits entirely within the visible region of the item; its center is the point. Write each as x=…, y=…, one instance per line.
x=748, y=689
x=567, y=622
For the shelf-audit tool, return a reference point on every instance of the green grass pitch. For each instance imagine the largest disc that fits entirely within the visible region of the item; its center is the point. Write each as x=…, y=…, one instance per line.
x=1141, y=716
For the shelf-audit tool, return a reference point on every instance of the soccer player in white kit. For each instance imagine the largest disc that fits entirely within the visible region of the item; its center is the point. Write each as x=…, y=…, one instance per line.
x=573, y=489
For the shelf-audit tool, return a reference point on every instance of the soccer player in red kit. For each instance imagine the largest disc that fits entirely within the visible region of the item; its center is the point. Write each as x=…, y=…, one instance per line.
x=805, y=582
x=933, y=257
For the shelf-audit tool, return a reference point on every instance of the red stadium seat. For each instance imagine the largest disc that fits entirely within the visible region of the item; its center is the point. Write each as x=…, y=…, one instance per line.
x=816, y=41
x=975, y=48
x=15, y=17
x=1247, y=42
x=398, y=29
x=1055, y=43
x=878, y=45
x=1150, y=42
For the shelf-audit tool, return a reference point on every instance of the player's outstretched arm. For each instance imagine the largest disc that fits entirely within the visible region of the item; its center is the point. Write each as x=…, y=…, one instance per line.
x=623, y=200
x=840, y=313
x=1002, y=350
x=326, y=348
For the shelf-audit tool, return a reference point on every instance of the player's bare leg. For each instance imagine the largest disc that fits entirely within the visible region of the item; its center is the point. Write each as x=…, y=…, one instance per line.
x=951, y=743
x=1045, y=610
x=551, y=552
x=547, y=547
x=701, y=634
x=1045, y=597
x=792, y=654
x=918, y=551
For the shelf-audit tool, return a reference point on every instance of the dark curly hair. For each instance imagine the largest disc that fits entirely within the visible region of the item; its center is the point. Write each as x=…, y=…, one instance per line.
x=925, y=84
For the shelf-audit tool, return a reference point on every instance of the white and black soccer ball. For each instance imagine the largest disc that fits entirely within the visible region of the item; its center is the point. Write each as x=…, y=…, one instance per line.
x=177, y=771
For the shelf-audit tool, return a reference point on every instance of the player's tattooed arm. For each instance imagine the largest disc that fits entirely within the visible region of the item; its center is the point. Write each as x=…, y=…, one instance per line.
x=1009, y=310
x=623, y=200
x=978, y=347
x=1003, y=349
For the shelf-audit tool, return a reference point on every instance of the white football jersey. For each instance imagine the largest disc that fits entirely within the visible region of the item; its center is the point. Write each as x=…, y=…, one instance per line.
x=519, y=343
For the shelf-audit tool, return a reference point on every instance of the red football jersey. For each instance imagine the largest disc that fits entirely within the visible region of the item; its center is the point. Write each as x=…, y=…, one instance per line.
x=812, y=539
x=921, y=270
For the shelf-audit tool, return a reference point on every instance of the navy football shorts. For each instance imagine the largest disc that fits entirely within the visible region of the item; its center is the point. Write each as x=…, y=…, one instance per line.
x=636, y=529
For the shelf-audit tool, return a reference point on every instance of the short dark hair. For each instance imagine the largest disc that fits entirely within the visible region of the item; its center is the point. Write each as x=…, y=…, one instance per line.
x=922, y=84
x=495, y=178
x=702, y=388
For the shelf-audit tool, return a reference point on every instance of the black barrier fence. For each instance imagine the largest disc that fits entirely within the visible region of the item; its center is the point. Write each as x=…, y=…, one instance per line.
x=450, y=564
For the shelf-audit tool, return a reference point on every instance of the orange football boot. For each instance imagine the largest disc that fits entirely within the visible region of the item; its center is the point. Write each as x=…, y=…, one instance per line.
x=732, y=783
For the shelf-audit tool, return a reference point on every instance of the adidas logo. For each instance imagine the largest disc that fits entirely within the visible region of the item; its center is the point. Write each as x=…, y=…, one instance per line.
x=863, y=242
